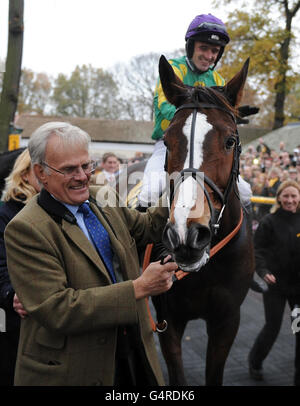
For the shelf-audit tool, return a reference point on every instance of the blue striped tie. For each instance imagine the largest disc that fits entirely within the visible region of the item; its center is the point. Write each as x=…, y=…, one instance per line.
x=99, y=236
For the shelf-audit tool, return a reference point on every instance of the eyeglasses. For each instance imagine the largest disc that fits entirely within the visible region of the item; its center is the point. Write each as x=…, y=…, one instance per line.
x=72, y=171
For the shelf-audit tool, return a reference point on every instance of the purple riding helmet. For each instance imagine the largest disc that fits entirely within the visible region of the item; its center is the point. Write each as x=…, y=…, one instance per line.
x=206, y=28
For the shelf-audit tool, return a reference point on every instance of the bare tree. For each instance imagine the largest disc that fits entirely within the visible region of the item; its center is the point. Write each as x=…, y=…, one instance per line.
x=136, y=81
x=34, y=92
x=10, y=90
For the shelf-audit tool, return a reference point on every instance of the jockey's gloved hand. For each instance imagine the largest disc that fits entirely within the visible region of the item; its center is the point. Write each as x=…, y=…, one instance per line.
x=244, y=111
x=247, y=110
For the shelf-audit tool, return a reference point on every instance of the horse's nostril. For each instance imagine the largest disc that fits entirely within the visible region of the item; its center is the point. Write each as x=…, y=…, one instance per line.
x=198, y=236
x=170, y=238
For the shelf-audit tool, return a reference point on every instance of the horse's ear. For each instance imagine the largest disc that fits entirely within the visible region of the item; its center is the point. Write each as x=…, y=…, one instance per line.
x=172, y=86
x=234, y=88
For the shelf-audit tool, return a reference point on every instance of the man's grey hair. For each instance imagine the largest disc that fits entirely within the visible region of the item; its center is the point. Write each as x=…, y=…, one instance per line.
x=68, y=134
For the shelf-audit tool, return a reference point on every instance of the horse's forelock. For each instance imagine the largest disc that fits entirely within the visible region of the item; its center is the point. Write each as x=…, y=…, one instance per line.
x=210, y=95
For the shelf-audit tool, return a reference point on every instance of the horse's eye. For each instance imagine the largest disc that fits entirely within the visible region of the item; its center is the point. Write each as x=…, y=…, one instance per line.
x=230, y=142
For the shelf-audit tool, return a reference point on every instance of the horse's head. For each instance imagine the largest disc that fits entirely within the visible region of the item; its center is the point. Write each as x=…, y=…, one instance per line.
x=202, y=162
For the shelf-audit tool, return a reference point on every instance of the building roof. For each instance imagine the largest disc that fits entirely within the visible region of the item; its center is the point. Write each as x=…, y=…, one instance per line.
x=116, y=131
x=127, y=131
x=289, y=134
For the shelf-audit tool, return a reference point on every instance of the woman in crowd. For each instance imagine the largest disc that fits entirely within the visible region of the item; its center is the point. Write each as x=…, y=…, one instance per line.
x=21, y=185
x=277, y=256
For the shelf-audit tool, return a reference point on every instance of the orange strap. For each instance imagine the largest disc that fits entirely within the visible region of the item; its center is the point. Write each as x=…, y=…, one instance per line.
x=145, y=264
x=181, y=274
x=228, y=237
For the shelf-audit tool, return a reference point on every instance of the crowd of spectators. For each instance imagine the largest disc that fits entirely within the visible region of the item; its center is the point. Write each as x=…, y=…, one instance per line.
x=110, y=166
x=265, y=169
x=262, y=167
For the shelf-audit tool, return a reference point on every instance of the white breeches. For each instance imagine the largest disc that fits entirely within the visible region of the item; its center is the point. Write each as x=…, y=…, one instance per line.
x=244, y=190
x=154, y=180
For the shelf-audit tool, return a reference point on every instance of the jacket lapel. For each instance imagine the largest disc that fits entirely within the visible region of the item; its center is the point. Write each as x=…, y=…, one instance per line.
x=77, y=236
x=63, y=216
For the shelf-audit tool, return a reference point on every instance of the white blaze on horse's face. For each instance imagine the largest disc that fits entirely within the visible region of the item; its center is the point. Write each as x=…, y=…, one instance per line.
x=201, y=129
x=186, y=200
x=189, y=189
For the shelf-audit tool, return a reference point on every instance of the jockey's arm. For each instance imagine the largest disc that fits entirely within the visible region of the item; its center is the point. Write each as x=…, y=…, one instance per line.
x=167, y=110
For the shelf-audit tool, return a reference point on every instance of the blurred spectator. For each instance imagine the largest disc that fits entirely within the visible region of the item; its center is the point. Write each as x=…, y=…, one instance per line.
x=281, y=146
x=259, y=183
x=21, y=186
x=251, y=150
x=247, y=175
x=120, y=163
x=284, y=175
x=138, y=157
x=268, y=163
x=272, y=182
x=293, y=174
x=255, y=171
x=296, y=157
x=135, y=160
x=285, y=160
x=265, y=169
x=263, y=148
x=110, y=168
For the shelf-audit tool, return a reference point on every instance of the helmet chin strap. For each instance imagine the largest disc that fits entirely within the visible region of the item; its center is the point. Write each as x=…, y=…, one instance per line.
x=194, y=68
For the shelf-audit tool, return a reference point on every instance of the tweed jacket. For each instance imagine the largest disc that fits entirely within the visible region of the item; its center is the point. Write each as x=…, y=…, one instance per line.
x=69, y=337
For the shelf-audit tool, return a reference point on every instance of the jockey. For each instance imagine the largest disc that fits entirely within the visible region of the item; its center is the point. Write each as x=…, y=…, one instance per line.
x=206, y=39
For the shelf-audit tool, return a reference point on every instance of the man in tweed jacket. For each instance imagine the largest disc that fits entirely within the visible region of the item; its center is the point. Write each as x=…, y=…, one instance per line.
x=81, y=328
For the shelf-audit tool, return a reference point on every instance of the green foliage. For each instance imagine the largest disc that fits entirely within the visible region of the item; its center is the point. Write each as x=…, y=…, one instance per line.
x=88, y=92
x=255, y=36
x=293, y=102
x=266, y=33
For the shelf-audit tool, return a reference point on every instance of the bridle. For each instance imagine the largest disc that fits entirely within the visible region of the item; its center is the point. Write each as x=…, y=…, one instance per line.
x=202, y=180
x=200, y=177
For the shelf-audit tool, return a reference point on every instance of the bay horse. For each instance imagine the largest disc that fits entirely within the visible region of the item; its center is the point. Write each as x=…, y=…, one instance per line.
x=209, y=231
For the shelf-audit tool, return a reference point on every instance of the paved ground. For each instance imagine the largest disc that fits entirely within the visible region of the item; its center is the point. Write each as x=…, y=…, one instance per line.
x=278, y=366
